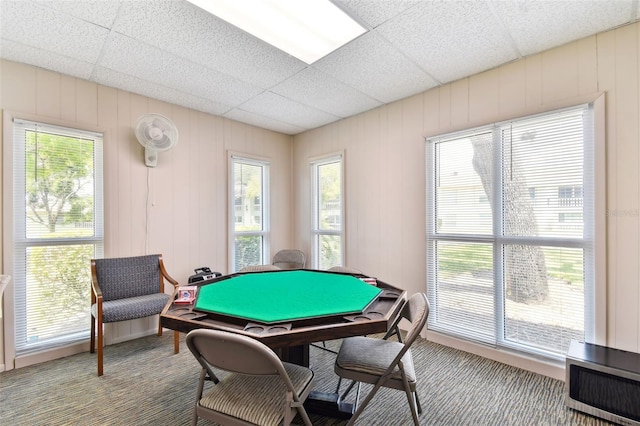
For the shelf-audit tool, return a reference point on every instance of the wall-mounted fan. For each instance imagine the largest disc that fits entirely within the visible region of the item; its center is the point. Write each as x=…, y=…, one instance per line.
x=156, y=133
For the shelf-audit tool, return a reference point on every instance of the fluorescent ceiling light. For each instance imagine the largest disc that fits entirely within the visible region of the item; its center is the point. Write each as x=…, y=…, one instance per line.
x=306, y=29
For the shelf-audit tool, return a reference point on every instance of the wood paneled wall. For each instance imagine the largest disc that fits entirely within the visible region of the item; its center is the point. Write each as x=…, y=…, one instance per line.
x=187, y=196
x=384, y=165
x=385, y=162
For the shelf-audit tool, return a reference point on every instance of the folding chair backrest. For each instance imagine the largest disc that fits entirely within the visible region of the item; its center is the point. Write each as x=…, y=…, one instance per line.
x=259, y=268
x=344, y=270
x=416, y=311
x=125, y=277
x=233, y=352
x=289, y=259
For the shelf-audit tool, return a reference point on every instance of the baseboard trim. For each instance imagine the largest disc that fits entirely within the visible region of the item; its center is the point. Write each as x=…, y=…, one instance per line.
x=545, y=368
x=73, y=349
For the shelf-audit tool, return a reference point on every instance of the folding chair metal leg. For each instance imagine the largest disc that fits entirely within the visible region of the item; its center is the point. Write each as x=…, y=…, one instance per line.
x=411, y=396
x=361, y=406
x=346, y=392
x=412, y=405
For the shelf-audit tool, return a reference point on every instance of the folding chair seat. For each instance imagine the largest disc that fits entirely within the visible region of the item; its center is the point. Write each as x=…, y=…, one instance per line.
x=384, y=362
x=259, y=389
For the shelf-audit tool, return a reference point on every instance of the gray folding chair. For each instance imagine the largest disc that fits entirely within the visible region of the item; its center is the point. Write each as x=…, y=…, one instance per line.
x=289, y=259
x=260, y=389
x=259, y=268
x=383, y=362
x=344, y=270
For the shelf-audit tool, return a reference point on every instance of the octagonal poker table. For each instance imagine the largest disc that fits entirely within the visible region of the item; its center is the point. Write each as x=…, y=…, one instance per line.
x=288, y=310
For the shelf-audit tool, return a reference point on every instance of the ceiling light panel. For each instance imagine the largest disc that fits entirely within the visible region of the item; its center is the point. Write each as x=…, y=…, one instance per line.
x=307, y=30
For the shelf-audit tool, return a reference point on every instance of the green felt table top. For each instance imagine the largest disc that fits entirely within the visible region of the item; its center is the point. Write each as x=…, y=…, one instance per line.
x=284, y=296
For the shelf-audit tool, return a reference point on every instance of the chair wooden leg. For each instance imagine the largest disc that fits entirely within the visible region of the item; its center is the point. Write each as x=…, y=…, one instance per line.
x=92, y=340
x=100, y=348
x=176, y=342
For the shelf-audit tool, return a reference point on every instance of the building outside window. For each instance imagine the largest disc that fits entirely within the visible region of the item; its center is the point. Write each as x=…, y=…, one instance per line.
x=57, y=229
x=517, y=272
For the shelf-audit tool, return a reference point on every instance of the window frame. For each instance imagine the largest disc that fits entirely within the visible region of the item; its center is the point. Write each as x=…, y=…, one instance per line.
x=316, y=233
x=15, y=247
x=596, y=329
x=265, y=232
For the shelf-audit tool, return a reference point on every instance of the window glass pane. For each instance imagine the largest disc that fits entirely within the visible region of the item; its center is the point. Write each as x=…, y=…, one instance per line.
x=58, y=283
x=59, y=185
x=58, y=228
x=327, y=207
x=543, y=176
x=464, y=288
x=462, y=200
x=249, y=214
x=248, y=250
x=330, y=251
x=532, y=238
x=329, y=193
x=558, y=315
x=248, y=189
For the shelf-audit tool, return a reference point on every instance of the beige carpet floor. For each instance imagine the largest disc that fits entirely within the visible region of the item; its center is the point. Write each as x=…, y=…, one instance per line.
x=146, y=384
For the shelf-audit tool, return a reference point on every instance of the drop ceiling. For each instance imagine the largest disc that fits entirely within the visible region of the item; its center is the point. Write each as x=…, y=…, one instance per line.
x=178, y=53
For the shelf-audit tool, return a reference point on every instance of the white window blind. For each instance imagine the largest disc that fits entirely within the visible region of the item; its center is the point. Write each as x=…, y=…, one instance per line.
x=249, y=212
x=510, y=232
x=328, y=212
x=58, y=228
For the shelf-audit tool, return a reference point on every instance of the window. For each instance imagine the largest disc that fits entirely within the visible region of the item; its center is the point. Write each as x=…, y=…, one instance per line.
x=516, y=272
x=57, y=229
x=570, y=196
x=327, y=198
x=250, y=228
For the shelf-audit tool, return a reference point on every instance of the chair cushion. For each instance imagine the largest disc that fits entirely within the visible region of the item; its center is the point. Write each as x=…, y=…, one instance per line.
x=256, y=399
x=124, y=277
x=372, y=356
x=132, y=307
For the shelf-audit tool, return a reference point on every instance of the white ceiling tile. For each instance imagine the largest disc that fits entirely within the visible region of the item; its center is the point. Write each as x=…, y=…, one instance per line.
x=176, y=52
x=535, y=26
x=193, y=34
x=45, y=59
x=375, y=12
x=111, y=78
x=450, y=40
x=134, y=58
x=98, y=12
x=47, y=29
x=264, y=122
x=370, y=65
x=316, y=89
x=282, y=109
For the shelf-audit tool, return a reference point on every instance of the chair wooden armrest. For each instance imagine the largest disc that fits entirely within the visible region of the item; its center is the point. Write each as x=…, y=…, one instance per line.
x=166, y=275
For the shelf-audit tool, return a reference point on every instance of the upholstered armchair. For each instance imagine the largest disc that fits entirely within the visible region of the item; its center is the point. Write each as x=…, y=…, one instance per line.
x=127, y=288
